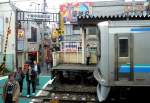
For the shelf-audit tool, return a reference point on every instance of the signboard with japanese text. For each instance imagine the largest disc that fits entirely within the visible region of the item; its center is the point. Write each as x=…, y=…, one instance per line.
x=70, y=46
x=38, y=17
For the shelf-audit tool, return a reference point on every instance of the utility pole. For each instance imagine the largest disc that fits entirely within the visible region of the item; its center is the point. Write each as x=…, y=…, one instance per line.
x=44, y=10
x=43, y=32
x=44, y=5
x=133, y=7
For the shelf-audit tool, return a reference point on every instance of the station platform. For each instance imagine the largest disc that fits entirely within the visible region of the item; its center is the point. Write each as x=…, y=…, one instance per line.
x=74, y=67
x=44, y=81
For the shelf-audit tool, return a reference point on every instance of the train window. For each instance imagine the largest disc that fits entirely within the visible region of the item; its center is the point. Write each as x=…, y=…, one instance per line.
x=123, y=47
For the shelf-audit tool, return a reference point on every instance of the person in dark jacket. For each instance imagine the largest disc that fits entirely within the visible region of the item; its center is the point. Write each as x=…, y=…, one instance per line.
x=88, y=54
x=31, y=79
x=11, y=90
x=19, y=76
x=37, y=69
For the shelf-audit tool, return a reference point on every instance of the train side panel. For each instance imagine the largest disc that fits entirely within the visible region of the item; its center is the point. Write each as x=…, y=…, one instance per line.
x=137, y=36
x=125, y=55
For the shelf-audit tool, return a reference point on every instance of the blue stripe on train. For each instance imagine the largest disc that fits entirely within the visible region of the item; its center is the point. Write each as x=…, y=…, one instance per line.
x=137, y=68
x=140, y=29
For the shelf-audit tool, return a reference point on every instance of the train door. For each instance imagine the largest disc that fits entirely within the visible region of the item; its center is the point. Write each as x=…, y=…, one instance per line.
x=124, y=57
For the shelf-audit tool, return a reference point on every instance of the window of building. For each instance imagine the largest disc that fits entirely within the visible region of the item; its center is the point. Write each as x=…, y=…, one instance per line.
x=76, y=27
x=92, y=31
x=68, y=30
x=123, y=47
x=33, y=35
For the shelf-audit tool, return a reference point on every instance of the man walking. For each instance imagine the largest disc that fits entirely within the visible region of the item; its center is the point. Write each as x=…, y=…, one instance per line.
x=31, y=79
x=37, y=69
x=19, y=76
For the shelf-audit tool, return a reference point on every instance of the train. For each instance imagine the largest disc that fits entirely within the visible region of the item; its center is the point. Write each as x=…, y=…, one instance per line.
x=124, y=48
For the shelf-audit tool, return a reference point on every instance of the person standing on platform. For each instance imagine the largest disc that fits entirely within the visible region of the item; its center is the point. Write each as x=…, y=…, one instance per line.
x=37, y=69
x=19, y=76
x=11, y=90
x=31, y=79
x=88, y=54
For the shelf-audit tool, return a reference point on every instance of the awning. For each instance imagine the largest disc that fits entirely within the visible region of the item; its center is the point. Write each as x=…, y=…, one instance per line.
x=93, y=20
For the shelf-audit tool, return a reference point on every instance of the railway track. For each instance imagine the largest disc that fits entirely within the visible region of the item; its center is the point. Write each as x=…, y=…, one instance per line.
x=67, y=93
x=87, y=95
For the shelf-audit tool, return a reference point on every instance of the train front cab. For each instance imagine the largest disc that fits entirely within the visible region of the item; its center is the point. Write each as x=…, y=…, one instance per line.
x=125, y=59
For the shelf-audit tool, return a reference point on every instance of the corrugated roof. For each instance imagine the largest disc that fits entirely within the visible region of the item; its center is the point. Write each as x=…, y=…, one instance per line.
x=93, y=20
x=117, y=10
x=114, y=17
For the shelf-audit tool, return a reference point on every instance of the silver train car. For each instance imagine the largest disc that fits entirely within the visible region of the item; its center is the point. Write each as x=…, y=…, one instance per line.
x=124, y=48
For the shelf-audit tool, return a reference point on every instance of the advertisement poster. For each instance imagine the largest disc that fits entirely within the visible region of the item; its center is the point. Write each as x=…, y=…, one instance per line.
x=70, y=11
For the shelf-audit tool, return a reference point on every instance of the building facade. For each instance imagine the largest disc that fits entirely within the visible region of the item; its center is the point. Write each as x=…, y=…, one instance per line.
x=24, y=41
x=74, y=42
x=7, y=19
